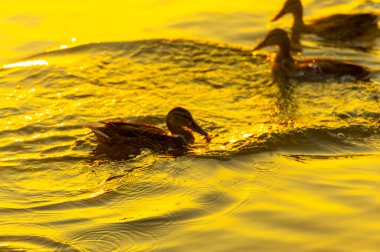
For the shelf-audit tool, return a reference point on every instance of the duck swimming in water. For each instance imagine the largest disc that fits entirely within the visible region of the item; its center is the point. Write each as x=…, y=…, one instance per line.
x=137, y=135
x=338, y=27
x=285, y=67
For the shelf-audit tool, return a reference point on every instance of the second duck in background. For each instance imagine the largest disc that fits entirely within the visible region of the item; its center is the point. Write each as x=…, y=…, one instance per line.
x=338, y=27
x=285, y=68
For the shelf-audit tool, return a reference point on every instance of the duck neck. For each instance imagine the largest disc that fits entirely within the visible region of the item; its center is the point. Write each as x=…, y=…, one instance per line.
x=185, y=134
x=298, y=24
x=283, y=65
x=284, y=53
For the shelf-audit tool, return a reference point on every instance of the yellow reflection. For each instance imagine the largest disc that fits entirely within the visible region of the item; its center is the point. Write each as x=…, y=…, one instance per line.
x=245, y=135
x=263, y=128
x=27, y=64
x=17, y=139
x=97, y=193
x=4, y=244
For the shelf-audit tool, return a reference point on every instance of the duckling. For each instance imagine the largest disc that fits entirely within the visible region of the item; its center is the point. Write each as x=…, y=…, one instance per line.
x=338, y=27
x=314, y=70
x=137, y=135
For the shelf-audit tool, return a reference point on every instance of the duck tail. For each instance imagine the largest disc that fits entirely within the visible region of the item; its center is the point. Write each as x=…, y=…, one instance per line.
x=100, y=135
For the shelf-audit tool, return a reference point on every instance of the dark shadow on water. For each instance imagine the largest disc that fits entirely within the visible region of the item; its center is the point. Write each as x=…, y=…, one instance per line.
x=368, y=45
x=285, y=102
x=120, y=153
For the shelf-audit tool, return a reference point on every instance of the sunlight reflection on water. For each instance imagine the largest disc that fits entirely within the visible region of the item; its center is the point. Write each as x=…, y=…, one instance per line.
x=271, y=179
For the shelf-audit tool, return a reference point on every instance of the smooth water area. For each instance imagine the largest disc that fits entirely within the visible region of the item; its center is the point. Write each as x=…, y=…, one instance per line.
x=294, y=174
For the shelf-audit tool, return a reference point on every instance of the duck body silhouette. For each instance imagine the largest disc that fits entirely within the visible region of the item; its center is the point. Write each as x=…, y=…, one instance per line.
x=285, y=68
x=337, y=27
x=136, y=135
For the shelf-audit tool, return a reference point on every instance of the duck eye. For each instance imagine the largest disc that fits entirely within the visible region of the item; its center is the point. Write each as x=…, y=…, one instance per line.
x=189, y=120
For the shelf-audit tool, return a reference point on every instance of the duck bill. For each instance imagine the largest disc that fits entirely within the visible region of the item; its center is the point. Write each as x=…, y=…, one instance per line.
x=280, y=14
x=261, y=45
x=196, y=128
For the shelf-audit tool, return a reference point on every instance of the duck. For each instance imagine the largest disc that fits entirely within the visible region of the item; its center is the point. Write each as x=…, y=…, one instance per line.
x=285, y=68
x=337, y=27
x=136, y=135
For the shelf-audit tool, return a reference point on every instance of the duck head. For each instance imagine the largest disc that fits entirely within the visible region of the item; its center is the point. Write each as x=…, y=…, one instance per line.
x=276, y=37
x=180, y=122
x=283, y=63
x=290, y=6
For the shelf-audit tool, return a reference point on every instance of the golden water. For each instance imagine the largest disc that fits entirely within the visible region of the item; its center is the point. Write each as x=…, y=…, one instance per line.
x=299, y=175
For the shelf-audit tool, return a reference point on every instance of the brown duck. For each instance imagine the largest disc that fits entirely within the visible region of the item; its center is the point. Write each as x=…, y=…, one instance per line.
x=338, y=27
x=285, y=67
x=137, y=135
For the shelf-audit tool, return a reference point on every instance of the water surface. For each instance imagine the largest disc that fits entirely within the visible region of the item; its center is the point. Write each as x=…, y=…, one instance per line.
x=279, y=175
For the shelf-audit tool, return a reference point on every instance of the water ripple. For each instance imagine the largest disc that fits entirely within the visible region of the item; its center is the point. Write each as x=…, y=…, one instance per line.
x=53, y=177
x=37, y=243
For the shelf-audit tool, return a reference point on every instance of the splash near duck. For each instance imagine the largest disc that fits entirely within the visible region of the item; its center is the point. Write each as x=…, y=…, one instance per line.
x=133, y=136
x=285, y=68
x=337, y=27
